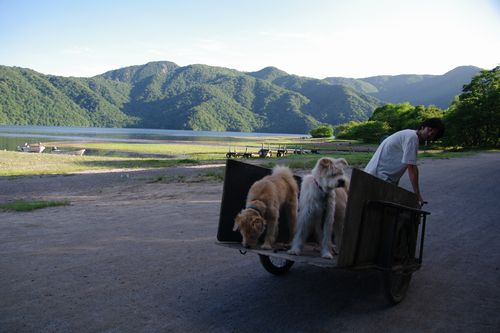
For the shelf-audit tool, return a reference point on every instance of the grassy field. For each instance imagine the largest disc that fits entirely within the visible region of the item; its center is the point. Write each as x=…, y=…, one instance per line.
x=205, y=149
x=26, y=206
x=181, y=153
x=19, y=164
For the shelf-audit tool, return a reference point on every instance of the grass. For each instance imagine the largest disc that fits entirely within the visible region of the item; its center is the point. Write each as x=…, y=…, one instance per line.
x=215, y=176
x=26, y=206
x=20, y=164
x=202, y=150
x=308, y=161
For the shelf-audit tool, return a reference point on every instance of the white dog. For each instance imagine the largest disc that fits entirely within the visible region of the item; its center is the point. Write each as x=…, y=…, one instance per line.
x=323, y=198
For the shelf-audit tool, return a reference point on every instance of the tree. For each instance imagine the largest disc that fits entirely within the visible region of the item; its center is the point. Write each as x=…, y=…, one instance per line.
x=322, y=132
x=386, y=120
x=474, y=118
x=368, y=131
x=392, y=114
x=405, y=115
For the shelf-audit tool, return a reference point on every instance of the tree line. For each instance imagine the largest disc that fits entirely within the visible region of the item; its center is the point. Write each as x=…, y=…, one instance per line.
x=472, y=119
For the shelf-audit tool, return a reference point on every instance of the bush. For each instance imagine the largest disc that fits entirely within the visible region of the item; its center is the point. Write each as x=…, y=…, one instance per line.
x=368, y=131
x=322, y=132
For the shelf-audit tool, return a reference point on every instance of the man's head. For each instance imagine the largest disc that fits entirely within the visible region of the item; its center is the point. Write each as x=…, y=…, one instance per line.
x=431, y=129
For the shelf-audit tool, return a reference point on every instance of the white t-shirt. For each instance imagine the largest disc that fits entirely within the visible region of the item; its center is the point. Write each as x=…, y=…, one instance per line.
x=393, y=155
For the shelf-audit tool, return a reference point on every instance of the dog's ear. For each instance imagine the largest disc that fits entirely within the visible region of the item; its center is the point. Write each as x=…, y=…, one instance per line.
x=326, y=162
x=236, y=224
x=258, y=224
x=236, y=227
x=341, y=161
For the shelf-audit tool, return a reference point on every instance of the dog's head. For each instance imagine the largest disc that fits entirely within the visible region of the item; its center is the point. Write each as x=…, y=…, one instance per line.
x=251, y=226
x=330, y=172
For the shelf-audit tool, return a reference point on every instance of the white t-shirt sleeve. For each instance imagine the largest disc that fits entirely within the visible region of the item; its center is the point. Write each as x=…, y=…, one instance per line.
x=410, y=150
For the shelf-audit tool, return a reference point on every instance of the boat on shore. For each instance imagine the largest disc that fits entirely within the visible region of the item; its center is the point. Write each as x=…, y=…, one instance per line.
x=33, y=148
x=78, y=152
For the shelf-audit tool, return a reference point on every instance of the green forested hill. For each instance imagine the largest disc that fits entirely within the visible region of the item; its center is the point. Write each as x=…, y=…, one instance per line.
x=436, y=90
x=332, y=104
x=164, y=95
x=31, y=98
x=202, y=97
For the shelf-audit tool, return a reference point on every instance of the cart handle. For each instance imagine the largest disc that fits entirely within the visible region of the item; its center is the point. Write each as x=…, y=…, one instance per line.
x=398, y=206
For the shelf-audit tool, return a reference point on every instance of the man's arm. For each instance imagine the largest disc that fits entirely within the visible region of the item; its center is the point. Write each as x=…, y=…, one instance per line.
x=413, y=174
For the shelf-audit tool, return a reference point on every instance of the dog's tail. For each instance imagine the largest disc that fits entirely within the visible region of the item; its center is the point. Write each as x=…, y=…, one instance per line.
x=283, y=171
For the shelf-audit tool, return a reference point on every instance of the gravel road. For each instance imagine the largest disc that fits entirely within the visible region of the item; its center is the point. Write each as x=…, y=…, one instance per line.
x=132, y=254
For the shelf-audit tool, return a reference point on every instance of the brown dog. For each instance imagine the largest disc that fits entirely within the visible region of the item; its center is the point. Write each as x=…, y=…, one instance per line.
x=265, y=199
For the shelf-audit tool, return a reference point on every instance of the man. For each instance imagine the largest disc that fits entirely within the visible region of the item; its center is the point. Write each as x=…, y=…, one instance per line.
x=398, y=152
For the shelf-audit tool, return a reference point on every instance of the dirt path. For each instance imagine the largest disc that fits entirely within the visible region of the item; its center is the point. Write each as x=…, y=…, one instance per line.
x=133, y=254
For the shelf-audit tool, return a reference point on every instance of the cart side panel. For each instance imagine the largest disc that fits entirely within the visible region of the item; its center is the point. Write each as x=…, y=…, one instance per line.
x=238, y=179
x=379, y=227
x=362, y=241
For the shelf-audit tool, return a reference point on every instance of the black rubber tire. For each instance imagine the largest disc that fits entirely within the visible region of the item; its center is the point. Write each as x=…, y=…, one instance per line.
x=276, y=266
x=396, y=285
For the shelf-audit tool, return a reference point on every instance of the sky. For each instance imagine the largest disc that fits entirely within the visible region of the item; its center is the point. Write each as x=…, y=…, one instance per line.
x=313, y=38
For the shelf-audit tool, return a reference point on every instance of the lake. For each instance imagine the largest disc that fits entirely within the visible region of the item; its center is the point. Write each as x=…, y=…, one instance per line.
x=12, y=136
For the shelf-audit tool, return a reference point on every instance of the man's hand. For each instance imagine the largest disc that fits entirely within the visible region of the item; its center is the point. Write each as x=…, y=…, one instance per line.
x=413, y=174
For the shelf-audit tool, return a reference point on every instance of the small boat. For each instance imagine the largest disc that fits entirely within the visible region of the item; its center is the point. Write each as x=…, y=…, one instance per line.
x=33, y=148
x=78, y=152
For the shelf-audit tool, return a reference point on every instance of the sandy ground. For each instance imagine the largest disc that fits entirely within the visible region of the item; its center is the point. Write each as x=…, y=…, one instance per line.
x=132, y=254
x=61, y=261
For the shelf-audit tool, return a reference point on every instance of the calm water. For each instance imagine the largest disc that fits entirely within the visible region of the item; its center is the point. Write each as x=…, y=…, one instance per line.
x=13, y=136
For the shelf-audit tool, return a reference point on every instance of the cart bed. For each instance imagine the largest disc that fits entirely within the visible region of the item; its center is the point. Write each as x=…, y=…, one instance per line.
x=310, y=254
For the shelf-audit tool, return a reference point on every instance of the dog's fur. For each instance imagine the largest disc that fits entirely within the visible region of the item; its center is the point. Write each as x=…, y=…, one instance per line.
x=322, y=205
x=265, y=199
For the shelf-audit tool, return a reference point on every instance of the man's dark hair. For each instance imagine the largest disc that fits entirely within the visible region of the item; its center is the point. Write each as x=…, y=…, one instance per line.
x=435, y=123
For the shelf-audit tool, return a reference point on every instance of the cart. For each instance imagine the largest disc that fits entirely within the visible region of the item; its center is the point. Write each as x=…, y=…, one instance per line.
x=281, y=151
x=383, y=230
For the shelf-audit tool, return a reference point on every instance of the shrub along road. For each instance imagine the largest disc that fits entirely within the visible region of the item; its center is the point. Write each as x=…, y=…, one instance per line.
x=133, y=254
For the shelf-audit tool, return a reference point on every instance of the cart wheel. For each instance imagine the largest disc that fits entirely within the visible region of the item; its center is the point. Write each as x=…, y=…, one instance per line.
x=396, y=285
x=276, y=266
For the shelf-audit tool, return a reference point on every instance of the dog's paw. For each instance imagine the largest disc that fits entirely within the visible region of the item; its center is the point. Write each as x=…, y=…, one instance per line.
x=266, y=247
x=293, y=251
x=326, y=255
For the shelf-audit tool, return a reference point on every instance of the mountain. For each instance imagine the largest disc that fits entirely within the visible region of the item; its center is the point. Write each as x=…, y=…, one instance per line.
x=437, y=90
x=31, y=98
x=328, y=103
x=200, y=97
x=165, y=95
